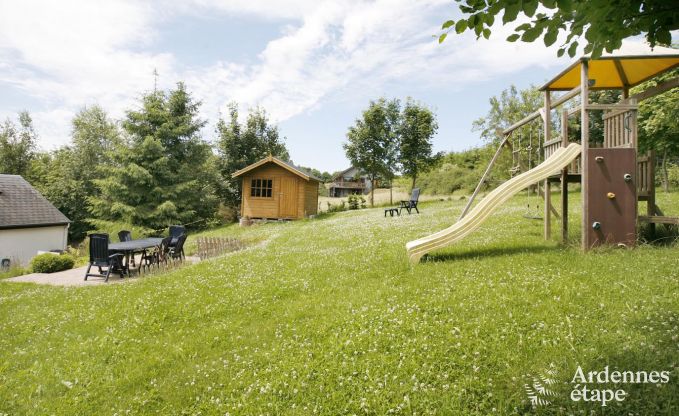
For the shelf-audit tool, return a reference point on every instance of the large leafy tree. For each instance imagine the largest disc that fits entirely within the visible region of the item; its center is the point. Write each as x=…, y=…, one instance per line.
x=373, y=141
x=509, y=107
x=160, y=174
x=417, y=127
x=597, y=24
x=17, y=146
x=68, y=175
x=240, y=145
x=658, y=127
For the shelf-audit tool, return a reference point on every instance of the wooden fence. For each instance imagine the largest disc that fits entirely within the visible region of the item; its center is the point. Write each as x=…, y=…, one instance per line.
x=215, y=246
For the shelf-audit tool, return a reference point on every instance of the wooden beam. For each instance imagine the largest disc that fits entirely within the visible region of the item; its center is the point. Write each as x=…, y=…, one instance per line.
x=564, y=180
x=547, y=116
x=656, y=219
x=532, y=116
x=584, y=143
x=504, y=142
x=658, y=89
x=621, y=73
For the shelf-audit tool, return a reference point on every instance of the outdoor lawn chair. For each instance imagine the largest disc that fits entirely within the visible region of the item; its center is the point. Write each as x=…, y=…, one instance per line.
x=123, y=236
x=157, y=256
x=175, y=232
x=100, y=257
x=177, y=252
x=412, y=203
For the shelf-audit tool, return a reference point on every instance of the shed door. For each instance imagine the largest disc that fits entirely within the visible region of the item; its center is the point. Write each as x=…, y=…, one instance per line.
x=287, y=201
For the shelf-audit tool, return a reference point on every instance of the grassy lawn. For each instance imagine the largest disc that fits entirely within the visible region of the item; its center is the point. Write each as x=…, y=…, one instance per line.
x=326, y=316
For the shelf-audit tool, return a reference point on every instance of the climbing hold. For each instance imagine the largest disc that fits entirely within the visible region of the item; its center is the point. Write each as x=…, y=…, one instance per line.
x=596, y=225
x=610, y=195
x=627, y=177
x=599, y=159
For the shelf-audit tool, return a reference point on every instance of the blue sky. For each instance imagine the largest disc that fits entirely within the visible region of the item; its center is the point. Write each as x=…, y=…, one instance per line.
x=312, y=64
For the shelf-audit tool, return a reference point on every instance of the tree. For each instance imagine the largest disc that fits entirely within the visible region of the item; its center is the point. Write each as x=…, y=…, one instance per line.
x=417, y=127
x=17, y=146
x=372, y=145
x=511, y=106
x=160, y=173
x=240, y=145
x=658, y=128
x=598, y=24
x=66, y=176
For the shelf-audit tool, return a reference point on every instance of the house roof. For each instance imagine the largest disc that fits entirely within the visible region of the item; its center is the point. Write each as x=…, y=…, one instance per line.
x=614, y=72
x=340, y=174
x=21, y=206
x=303, y=173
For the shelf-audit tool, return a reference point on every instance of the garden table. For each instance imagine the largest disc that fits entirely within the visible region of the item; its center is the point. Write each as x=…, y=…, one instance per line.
x=128, y=248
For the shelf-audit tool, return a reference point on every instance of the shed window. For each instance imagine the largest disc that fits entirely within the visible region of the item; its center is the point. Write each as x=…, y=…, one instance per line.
x=261, y=188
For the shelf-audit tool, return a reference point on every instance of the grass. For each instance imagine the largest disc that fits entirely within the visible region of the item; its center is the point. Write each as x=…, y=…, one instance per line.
x=326, y=316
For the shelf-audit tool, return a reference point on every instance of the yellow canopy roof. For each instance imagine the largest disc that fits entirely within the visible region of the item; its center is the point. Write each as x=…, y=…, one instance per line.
x=614, y=72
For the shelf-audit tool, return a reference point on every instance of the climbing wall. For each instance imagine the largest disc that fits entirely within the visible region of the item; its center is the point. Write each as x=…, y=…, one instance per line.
x=612, y=213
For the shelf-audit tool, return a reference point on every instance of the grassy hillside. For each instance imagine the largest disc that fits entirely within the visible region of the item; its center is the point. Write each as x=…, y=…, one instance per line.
x=326, y=316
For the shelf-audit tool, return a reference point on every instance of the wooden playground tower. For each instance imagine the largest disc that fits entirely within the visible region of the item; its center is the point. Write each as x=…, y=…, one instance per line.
x=613, y=176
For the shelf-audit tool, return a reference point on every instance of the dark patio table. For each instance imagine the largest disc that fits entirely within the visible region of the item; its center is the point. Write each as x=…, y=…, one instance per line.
x=133, y=246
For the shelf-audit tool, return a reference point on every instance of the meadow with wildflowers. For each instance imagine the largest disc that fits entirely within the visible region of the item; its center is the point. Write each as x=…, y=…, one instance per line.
x=326, y=316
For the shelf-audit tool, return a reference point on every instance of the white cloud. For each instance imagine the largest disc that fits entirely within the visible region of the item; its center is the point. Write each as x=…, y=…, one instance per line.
x=68, y=54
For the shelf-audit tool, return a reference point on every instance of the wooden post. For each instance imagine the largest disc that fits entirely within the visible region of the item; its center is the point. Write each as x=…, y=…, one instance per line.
x=564, y=180
x=547, y=189
x=650, y=201
x=584, y=143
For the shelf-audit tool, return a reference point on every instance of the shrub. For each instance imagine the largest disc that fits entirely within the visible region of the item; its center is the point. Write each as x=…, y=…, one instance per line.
x=342, y=206
x=356, y=202
x=50, y=263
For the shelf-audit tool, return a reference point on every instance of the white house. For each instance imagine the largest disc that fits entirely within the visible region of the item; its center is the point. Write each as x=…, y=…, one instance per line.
x=348, y=182
x=28, y=222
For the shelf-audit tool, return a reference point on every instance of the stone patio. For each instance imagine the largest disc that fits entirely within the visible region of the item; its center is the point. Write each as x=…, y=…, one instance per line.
x=76, y=277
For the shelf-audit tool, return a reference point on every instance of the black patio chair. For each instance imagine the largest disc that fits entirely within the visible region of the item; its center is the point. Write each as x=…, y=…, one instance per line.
x=100, y=257
x=157, y=256
x=412, y=203
x=175, y=232
x=124, y=235
x=177, y=252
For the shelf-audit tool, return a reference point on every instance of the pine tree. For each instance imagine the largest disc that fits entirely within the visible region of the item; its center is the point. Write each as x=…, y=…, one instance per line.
x=160, y=174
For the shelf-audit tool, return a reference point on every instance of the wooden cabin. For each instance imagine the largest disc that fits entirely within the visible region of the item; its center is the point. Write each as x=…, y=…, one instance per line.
x=273, y=188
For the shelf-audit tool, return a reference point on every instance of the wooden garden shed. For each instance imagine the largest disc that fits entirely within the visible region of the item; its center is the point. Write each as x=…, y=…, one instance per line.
x=273, y=188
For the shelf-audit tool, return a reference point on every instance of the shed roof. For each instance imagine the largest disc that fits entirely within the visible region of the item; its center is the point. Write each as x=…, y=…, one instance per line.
x=22, y=206
x=614, y=72
x=303, y=173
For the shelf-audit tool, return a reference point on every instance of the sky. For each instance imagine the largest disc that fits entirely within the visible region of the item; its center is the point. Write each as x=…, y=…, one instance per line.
x=314, y=65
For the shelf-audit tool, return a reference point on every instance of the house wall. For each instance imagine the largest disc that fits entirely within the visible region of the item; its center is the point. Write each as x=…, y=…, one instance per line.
x=259, y=207
x=22, y=244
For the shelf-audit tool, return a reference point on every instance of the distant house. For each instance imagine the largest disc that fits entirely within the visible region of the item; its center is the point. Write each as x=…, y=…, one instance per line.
x=276, y=189
x=28, y=222
x=349, y=182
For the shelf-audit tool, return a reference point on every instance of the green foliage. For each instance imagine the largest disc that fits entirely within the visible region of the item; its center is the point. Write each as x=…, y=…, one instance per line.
x=240, y=145
x=66, y=177
x=342, y=206
x=598, y=24
x=17, y=146
x=113, y=227
x=356, y=202
x=326, y=310
x=373, y=141
x=161, y=174
x=50, y=263
x=418, y=126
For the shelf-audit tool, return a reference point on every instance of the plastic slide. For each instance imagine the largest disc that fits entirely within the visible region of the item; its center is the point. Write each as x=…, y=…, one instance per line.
x=557, y=161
